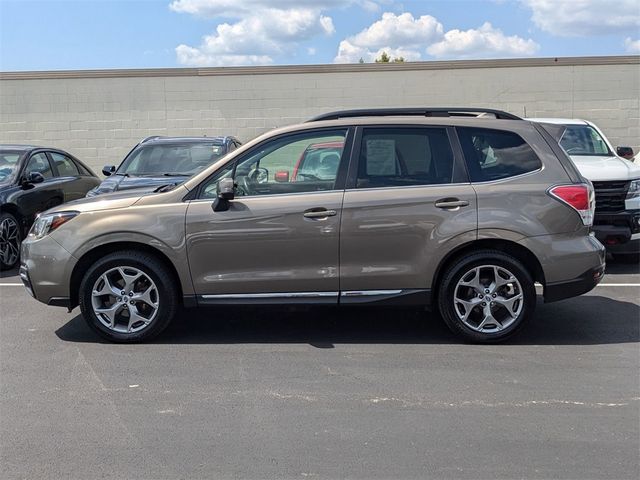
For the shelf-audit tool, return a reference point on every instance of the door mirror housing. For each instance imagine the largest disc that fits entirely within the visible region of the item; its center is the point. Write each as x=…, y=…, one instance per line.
x=32, y=178
x=625, y=152
x=108, y=170
x=226, y=193
x=282, y=176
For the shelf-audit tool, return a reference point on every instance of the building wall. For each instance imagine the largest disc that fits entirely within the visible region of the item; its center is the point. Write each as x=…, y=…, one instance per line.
x=100, y=115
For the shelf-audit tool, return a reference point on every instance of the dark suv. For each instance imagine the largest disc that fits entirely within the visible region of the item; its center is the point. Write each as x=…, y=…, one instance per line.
x=158, y=161
x=461, y=210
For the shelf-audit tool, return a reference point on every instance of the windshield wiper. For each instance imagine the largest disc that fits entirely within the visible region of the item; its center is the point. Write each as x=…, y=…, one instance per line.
x=176, y=174
x=165, y=188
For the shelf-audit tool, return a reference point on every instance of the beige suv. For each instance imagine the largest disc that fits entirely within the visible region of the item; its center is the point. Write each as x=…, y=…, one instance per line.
x=459, y=209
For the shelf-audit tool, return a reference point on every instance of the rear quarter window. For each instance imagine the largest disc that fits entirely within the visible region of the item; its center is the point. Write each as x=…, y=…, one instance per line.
x=496, y=154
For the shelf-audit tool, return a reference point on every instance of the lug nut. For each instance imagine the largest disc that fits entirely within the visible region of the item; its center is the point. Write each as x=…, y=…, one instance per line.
x=494, y=295
x=486, y=291
x=119, y=299
x=484, y=304
x=131, y=294
x=122, y=292
x=132, y=302
x=479, y=295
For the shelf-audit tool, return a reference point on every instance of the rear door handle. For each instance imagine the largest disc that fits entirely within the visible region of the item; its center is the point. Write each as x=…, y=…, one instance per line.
x=319, y=213
x=451, y=203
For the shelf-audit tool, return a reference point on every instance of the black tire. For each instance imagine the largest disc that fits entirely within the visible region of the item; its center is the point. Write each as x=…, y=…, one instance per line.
x=459, y=268
x=168, y=301
x=10, y=264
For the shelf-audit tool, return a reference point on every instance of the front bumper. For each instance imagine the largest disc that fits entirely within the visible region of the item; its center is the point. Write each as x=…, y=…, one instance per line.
x=619, y=232
x=46, y=270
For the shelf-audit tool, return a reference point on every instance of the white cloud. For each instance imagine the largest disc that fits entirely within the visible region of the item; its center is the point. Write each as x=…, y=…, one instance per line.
x=632, y=46
x=584, y=17
x=398, y=35
x=406, y=36
x=263, y=29
x=485, y=42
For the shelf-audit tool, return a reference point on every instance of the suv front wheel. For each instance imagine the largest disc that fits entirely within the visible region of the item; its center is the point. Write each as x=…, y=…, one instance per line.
x=128, y=297
x=487, y=296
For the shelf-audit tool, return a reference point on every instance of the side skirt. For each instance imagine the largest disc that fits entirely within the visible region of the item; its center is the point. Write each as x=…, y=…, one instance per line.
x=408, y=297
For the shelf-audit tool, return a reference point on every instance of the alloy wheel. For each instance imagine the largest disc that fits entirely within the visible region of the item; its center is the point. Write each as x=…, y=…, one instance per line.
x=125, y=299
x=488, y=298
x=9, y=241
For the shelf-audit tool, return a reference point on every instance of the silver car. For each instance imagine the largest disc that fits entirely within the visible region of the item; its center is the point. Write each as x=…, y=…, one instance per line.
x=462, y=210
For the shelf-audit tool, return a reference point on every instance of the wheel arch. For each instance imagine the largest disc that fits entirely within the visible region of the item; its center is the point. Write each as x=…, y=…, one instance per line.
x=89, y=257
x=526, y=256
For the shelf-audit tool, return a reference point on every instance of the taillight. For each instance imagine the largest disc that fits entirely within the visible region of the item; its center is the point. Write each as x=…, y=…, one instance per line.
x=580, y=197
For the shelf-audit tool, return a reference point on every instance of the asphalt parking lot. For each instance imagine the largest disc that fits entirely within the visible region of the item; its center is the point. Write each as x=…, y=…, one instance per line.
x=362, y=393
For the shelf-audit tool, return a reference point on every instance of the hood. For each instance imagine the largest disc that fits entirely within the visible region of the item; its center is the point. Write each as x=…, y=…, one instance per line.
x=107, y=201
x=116, y=183
x=598, y=169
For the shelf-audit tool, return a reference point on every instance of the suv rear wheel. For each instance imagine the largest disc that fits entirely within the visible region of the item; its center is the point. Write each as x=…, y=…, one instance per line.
x=487, y=296
x=128, y=297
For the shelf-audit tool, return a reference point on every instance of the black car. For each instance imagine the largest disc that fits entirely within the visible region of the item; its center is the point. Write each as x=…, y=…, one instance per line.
x=158, y=161
x=32, y=180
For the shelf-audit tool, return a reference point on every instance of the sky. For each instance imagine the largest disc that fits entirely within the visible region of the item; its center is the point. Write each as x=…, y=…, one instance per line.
x=102, y=34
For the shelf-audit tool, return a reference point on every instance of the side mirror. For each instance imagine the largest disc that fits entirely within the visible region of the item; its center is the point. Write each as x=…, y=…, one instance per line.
x=226, y=193
x=32, y=178
x=107, y=170
x=625, y=152
x=282, y=176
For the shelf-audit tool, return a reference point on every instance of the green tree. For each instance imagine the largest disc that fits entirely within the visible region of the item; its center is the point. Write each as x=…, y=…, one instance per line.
x=385, y=58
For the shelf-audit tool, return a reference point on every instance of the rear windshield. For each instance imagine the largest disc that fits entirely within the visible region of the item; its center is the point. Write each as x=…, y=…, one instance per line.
x=584, y=140
x=172, y=159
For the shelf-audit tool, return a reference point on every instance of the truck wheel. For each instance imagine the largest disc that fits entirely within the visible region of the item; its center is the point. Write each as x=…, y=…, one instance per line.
x=487, y=296
x=128, y=297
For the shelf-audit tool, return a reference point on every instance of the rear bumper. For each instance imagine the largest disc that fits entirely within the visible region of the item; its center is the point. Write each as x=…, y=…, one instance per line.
x=572, y=288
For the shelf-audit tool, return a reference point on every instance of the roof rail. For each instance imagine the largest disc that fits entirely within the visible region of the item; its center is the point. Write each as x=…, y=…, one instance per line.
x=152, y=137
x=418, y=112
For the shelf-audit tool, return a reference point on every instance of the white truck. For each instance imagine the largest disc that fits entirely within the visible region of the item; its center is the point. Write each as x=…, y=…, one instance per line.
x=616, y=181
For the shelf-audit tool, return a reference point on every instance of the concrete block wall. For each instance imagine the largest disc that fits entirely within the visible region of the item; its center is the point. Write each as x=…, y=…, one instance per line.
x=100, y=115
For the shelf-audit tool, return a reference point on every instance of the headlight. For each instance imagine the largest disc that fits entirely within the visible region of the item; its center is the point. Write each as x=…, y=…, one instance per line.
x=48, y=222
x=634, y=189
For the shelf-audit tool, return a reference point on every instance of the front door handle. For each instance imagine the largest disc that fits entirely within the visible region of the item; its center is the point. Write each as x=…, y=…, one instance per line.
x=319, y=213
x=451, y=203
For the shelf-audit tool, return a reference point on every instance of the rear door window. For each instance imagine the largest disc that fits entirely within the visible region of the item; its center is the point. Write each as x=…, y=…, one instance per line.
x=404, y=156
x=64, y=165
x=496, y=154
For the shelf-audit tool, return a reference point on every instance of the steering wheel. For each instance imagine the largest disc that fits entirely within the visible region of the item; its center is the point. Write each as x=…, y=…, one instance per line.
x=243, y=188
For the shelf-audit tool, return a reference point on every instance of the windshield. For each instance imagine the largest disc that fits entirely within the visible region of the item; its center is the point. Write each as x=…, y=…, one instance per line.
x=584, y=140
x=8, y=164
x=173, y=159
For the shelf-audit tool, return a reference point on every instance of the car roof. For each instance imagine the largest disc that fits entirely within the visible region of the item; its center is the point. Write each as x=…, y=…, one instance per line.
x=174, y=140
x=22, y=148
x=560, y=121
